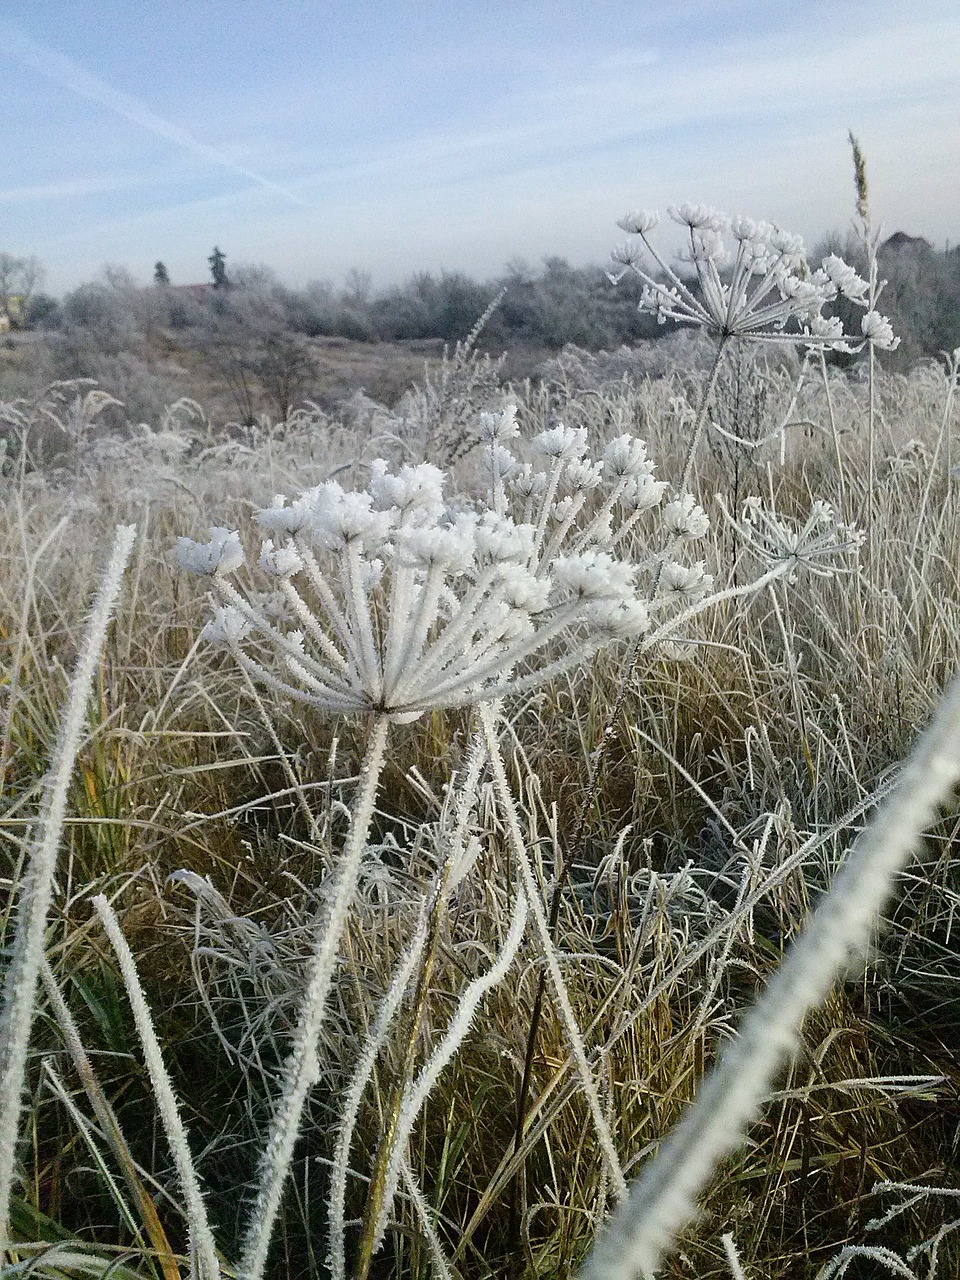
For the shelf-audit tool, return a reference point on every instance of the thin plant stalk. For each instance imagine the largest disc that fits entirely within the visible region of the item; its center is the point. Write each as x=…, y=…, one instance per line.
x=834, y=434
x=202, y=1243
x=590, y=793
x=375, y=1208
x=663, y=1200
x=700, y=421
x=562, y=996
x=441, y=1265
x=418, y=1092
x=575, y=846
x=351, y=1104
x=20, y=991
x=300, y=1072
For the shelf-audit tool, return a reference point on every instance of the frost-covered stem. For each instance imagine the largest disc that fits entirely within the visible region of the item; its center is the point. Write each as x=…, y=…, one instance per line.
x=440, y=1264
x=841, y=482
x=329, y=601
x=728, y=593
x=871, y=457
x=398, y=621
x=20, y=988
x=532, y=889
x=553, y=481
x=450, y=638
x=733, y=1258
x=201, y=1236
x=417, y=1093
x=350, y=1109
x=392, y=1143
x=309, y=619
x=552, y=549
x=701, y=419
x=505, y=659
x=281, y=642
x=425, y=612
x=596, y=520
x=300, y=1071
x=663, y=1200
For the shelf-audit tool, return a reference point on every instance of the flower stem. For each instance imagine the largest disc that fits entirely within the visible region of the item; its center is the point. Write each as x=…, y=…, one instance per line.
x=301, y=1068
x=701, y=419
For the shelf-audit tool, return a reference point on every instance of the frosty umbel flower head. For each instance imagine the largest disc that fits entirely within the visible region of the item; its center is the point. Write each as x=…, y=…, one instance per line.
x=757, y=285
x=822, y=545
x=396, y=605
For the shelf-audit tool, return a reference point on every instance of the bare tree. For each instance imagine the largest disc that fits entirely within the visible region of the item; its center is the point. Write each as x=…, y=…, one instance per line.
x=248, y=337
x=19, y=277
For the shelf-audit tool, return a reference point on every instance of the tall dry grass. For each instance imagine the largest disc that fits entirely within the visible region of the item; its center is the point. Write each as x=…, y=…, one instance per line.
x=747, y=759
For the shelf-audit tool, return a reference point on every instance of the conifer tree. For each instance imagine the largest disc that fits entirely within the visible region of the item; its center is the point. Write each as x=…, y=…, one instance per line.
x=218, y=268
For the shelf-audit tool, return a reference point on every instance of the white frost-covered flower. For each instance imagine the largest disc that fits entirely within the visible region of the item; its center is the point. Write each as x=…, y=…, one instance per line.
x=395, y=605
x=685, y=582
x=878, y=331
x=228, y=627
x=639, y=222
x=627, y=456
x=699, y=217
x=561, y=442
x=763, y=289
x=683, y=518
x=221, y=555
x=280, y=562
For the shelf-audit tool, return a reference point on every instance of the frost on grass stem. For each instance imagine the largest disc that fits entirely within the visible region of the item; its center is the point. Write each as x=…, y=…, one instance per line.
x=204, y=1264
x=20, y=990
x=663, y=1200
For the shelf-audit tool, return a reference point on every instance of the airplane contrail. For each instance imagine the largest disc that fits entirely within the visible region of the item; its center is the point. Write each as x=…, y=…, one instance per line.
x=70, y=75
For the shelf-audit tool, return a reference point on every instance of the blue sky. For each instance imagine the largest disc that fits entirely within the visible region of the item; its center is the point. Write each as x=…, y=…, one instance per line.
x=396, y=136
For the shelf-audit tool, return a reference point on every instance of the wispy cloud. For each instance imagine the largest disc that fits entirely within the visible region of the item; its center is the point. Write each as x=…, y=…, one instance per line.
x=15, y=44
x=71, y=188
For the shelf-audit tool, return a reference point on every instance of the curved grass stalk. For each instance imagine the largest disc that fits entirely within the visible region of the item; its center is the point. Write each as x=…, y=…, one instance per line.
x=392, y=1147
x=106, y=1118
x=336, y=1258
x=203, y=1248
x=417, y=1093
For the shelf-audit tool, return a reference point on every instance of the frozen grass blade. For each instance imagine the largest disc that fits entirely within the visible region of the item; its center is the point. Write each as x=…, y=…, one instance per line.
x=663, y=1200
x=20, y=991
x=202, y=1243
x=453, y=1038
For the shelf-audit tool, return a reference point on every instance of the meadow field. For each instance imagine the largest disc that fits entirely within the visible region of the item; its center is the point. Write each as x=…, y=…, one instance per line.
x=395, y=864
